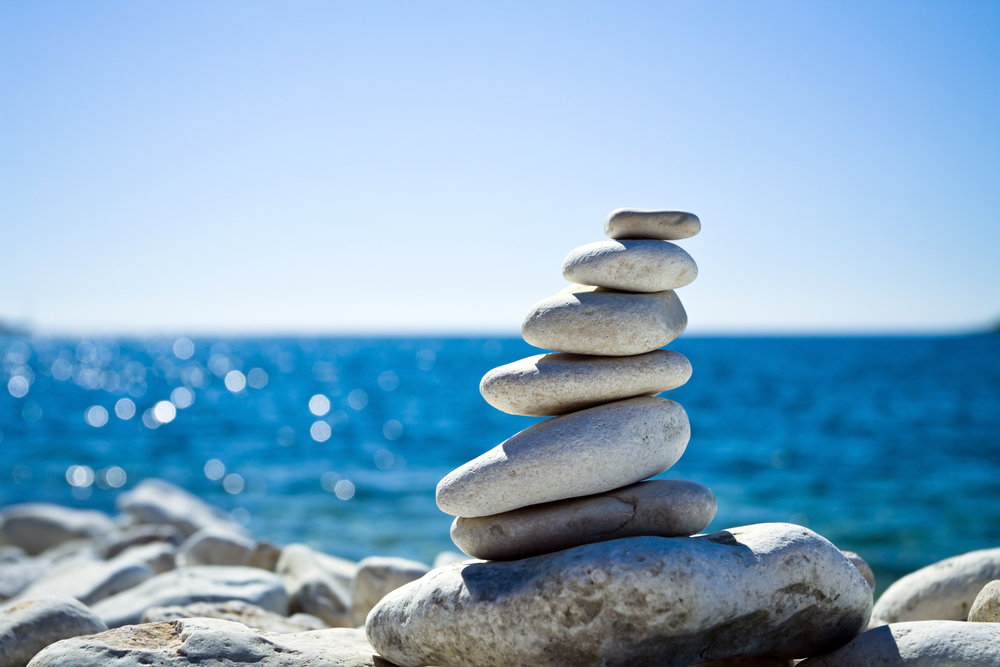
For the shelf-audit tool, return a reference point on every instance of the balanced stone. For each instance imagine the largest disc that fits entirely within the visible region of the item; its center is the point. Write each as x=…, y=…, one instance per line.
x=943, y=591
x=579, y=454
x=555, y=384
x=664, y=508
x=767, y=590
x=919, y=644
x=28, y=626
x=630, y=266
x=634, y=223
x=986, y=607
x=584, y=319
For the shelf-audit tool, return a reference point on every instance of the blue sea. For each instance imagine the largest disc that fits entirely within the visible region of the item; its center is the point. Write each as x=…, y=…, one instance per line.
x=889, y=447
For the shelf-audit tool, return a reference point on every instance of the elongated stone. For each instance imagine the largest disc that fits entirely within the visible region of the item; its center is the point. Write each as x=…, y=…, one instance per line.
x=919, y=644
x=773, y=590
x=555, y=384
x=630, y=266
x=634, y=223
x=584, y=319
x=579, y=454
x=662, y=507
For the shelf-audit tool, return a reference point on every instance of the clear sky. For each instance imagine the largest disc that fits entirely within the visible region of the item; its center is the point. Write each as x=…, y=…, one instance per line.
x=242, y=167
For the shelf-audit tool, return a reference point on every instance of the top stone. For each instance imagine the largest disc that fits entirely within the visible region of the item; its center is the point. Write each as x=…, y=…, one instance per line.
x=633, y=223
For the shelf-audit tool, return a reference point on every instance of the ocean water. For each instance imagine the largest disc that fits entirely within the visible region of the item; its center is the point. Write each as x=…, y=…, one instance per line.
x=889, y=447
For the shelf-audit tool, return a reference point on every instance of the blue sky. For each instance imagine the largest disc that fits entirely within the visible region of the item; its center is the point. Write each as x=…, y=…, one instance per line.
x=424, y=167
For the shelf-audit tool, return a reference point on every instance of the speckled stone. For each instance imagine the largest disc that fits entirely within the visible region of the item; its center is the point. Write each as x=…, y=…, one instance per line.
x=662, y=507
x=593, y=320
x=580, y=454
x=863, y=567
x=919, y=644
x=556, y=384
x=986, y=607
x=630, y=266
x=634, y=223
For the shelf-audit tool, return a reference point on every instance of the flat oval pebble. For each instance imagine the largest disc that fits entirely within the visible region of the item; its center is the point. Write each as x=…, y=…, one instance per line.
x=662, y=507
x=580, y=454
x=555, y=384
x=630, y=266
x=584, y=319
x=635, y=223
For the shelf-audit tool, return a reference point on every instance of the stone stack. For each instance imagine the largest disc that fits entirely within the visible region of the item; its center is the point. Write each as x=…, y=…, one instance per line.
x=576, y=479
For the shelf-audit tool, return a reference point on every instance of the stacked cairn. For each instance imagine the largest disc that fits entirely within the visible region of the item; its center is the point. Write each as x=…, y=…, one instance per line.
x=576, y=479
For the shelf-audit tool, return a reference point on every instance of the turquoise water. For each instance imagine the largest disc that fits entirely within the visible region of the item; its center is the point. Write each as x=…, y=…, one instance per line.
x=888, y=446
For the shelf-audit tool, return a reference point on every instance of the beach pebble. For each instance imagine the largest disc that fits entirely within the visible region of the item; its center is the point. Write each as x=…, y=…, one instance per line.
x=943, y=591
x=579, y=454
x=130, y=536
x=986, y=607
x=36, y=527
x=28, y=626
x=634, y=223
x=919, y=644
x=160, y=502
x=159, y=556
x=555, y=384
x=216, y=545
x=318, y=584
x=748, y=662
x=377, y=577
x=863, y=567
x=210, y=642
x=90, y=582
x=265, y=556
x=248, y=614
x=194, y=584
x=630, y=266
x=593, y=320
x=447, y=558
x=663, y=507
x=15, y=576
x=774, y=590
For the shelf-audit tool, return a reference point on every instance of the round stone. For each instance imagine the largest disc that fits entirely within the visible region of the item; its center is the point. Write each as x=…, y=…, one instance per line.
x=586, y=452
x=593, y=320
x=630, y=266
x=662, y=507
x=634, y=223
x=556, y=384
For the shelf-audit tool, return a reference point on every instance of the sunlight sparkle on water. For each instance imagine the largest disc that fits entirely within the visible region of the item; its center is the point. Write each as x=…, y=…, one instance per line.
x=319, y=405
x=164, y=411
x=214, y=469
x=183, y=348
x=125, y=408
x=235, y=381
x=320, y=431
x=182, y=397
x=96, y=416
x=357, y=399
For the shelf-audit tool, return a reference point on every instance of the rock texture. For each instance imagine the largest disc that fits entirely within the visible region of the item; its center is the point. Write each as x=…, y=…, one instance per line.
x=216, y=546
x=248, y=614
x=579, y=454
x=630, y=266
x=36, y=527
x=194, y=584
x=863, y=567
x=377, y=577
x=159, y=502
x=943, y=591
x=665, y=508
x=210, y=642
x=986, y=606
x=28, y=626
x=919, y=644
x=318, y=584
x=90, y=582
x=594, y=320
x=556, y=384
x=774, y=590
x=131, y=536
x=634, y=223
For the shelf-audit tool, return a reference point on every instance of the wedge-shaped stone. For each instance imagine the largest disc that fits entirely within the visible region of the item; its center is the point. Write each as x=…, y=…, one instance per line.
x=662, y=507
x=555, y=384
x=635, y=223
x=579, y=454
x=943, y=591
x=592, y=320
x=919, y=644
x=773, y=590
x=631, y=266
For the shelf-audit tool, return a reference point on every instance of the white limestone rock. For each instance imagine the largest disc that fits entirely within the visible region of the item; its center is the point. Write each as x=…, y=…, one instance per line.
x=36, y=527
x=210, y=642
x=919, y=644
x=986, y=607
x=447, y=558
x=863, y=567
x=28, y=626
x=773, y=590
x=141, y=534
x=216, y=545
x=662, y=507
x=90, y=582
x=377, y=577
x=265, y=556
x=195, y=584
x=630, y=266
x=248, y=614
x=593, y=320
x=160, y=502
x=579, y=454
x=557, y=384
x=634, y=223
x=318, y=584
x=159, y=556
x=943, y=591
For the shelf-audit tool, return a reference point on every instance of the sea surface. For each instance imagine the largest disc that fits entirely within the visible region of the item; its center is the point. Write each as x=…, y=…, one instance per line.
x=889, y=447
